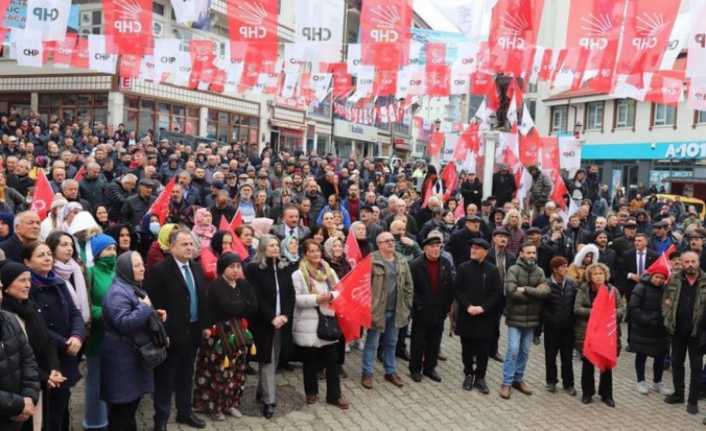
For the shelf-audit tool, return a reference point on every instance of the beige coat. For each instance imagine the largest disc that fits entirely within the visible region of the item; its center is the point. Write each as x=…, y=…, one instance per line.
x=306, y=319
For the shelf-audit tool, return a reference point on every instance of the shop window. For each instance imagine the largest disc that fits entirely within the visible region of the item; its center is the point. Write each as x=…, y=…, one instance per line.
x=594, y=116
x=146, y=114
x=663, y=115
x=229, y=127
x=80, y=108
x=625, y=113
x=559, y=119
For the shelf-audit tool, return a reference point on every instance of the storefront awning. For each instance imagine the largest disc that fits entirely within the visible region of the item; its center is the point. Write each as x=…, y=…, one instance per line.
x=685, y=180
x=288, y=125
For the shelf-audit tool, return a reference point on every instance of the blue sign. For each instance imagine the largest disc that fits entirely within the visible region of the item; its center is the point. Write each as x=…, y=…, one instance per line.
x=645, y=151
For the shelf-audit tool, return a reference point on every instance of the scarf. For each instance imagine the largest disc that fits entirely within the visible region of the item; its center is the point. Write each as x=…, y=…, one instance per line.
x=205, y=233
x=163, y=236
x=124, y=272
x=292, y=258
x=103, y=273
x=36, y=328
x=77, y=289
x=322, y=273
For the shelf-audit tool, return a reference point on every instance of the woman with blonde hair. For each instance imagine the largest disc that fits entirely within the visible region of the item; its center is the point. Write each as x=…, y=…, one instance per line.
x=586, y=255
x=513, y=224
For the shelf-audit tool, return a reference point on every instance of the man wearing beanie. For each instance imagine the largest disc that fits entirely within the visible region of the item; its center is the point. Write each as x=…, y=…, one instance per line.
x=558, y=317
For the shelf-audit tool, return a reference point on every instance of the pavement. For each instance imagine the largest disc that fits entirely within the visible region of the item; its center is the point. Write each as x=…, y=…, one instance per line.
x=443, y=406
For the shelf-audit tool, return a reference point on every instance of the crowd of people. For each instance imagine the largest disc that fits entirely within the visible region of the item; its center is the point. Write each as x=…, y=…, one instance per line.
x=182, y=305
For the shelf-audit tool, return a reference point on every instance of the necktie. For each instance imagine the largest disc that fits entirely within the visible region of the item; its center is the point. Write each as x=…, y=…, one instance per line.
x=194, y=307
x=640, y=263
x=291, y=232
x=501, y=268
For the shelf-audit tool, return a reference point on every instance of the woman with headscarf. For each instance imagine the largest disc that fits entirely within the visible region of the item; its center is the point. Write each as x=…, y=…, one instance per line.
x=261, y=226
x=160, y=248
x=67, y=215
x=271, y=278
x=314, y=283
x=100, y=276
x=220, y=372
x=54, y=218
x=67, y=329
x=7, y=226
x=68, y=269
x=359, y=232
x=222, y=241
x=335, y=256
x=16, y=283
x=127, y=315
x=203, y=230
x=122, y=236
x=290, y=249
x=144, y=235
x=100, y=215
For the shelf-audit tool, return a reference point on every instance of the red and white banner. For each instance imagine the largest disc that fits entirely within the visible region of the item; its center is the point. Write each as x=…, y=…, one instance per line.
x=253, y=24
x=697, y=94
x=353, y=305
x=128, y=26
x=352, y=249
x=29, y=48
x=319, y=21
x=696, y=60
x=160, y=207
x=666, y=87
x=550, y=153
x=129, y=66
x=385, y=29
x=513, y=31
x=601, y=345
x=79, y=58
x=63, y=51
x=436, y=143
x=530, y=146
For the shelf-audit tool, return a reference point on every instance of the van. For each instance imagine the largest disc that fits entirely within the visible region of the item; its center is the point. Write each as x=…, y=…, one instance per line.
x=698, y=203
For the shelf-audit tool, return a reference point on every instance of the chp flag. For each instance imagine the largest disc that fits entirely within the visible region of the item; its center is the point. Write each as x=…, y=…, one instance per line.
x=43, y=196
x=48, y=17
x=696, y=60
x=128, y=26
x=353, y=305
x=318, y=26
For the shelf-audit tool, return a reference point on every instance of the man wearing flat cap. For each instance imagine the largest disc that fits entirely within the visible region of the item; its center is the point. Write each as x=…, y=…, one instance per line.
x=136, y=206
x=458, y=244
x=431, y=276
x=478, y=291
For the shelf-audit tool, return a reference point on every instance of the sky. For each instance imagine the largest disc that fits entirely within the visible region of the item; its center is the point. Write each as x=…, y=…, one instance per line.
x=432, y=16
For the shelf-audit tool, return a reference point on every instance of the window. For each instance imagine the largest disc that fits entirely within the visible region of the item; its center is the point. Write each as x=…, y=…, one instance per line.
x=158, y=8
x=230, y=127
x=142, y=115
x=532, y=107
x=321, y=109
x=664, y=115
x=79, y=108
x=91, y=22
x=700, y=117
x=531, y=88
x=559, y=119
x=625, y=113
x=594, y=116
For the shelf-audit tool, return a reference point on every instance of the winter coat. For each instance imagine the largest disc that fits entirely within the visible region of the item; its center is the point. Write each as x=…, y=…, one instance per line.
x=306, y=318
x=503, y=187
x=477, y=284
x=582, y=311
x=93, y=191
x=522, y=310
x=19, y=377
x=648, y=336
x=558, y=308
x=378, y=292
x=126, y=324
x=472, y=192
x=134, y=208
x=429, y=305
x=265, y=286
x=670, y=304
x=115, y=196
x=541, y=189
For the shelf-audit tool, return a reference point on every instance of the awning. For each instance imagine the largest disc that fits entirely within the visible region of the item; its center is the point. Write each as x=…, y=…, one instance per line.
x=288, y=125
x=685, y=180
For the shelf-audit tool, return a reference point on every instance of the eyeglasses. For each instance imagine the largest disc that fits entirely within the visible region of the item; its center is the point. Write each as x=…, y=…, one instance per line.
x=387, y=241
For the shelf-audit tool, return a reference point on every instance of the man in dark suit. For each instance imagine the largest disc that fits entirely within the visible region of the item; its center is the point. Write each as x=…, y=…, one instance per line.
x=431, y=276
x=636, y=262
x=27, y=226
x=290, y=225
x=176, y=285
x=503, y=260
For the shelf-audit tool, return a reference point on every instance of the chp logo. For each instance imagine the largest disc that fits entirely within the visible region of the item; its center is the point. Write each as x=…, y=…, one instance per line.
x=203, y=51
x=648, y=28
x=512, y=28
x=598, y=29
x=317, y=34
x=129, y=12
x=254, y=15
x=45, y=14
x=386, y=19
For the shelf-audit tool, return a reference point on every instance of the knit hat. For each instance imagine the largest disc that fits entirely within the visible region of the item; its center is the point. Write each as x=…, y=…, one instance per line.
x=59, y=201
x=9, y=271
x=556, y=262
x=227, y=259
x=655, y=269
x=100, y=242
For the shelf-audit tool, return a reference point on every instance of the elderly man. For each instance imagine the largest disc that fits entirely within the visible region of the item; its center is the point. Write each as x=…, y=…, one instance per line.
x=136, y=206
x=92, y=186
x=27, y=227
x=117, y=192
x=70, y=190
x=543, y=220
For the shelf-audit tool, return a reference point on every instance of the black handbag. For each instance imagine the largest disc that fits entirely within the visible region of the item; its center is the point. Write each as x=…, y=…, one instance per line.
x=328, y=328
x=151, y=355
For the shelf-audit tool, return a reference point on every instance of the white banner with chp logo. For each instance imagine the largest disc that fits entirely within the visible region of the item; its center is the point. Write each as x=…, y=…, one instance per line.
x=319, y=28
x=569, y=153
x=49, y=18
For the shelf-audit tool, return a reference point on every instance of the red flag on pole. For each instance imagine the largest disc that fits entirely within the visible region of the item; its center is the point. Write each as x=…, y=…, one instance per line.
x=43, y=196
x=559, y=190
x=662, y=261
x=601, y=344
x=460, y=210
x=352, y=249
x=435, y=143
x=237, y=220
x=160, y=207
x=79, y=175
x=353, y=305
x=450, y=178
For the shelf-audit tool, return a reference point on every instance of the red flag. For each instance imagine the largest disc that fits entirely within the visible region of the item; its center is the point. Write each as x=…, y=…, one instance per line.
x=352, y=249
x=237, y=220
x=529, y=147
x=435, y=143
x=666, y=87
x=238, y=247
x=559, y=190
x=63, y=51
x=385, y=83
x=43, y=196
x=79, y=175
x=128, y=26
x=450, y=178
x=438, y=80
x=482, y=83
x=460, y=210
x=550, y=153
x=662, y=261
x=513, y=31
x=130, y=66
x=463, y=144
x=160, y=207
x=353, y=305
x=428, y=193
x=255, y=24
x=385, y=30
x=79, y=58
x=601, y=344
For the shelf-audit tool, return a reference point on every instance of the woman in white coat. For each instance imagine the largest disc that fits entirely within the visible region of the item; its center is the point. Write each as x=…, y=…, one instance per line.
x=314, y=284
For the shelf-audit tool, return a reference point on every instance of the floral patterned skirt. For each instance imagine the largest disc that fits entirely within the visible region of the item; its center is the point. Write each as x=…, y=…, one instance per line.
x=218, y=383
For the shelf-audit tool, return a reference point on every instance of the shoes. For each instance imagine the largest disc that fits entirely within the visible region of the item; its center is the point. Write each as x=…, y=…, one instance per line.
x=536, y=340
x=394, y=379
x=258, y=398
x=442, y=357
x=481, y=386
x=522, y=387
x=360, y=344
x=659, y=387
x=367, y=382
x=468, y=382
x=609, y=402
x=342, y=372
x=160, y=428
x=268, y=411
x=642, y=388
x=192, y=420
x=433, y=375
x=218, y=417
x=586, y=399
x=505, y=391
x=404, y=355
x=250, y=371
x=234, y=412
x=312, y=399
x=692, y=409
x=551, y=387
x=496, y=357
x=348, y=348
x=341, y=403
x=571, y=391
x=416, y=376
x=674, y=399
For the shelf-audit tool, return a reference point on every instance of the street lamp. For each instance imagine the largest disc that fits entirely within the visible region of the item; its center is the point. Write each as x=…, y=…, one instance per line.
x=577, y=129
x=437, y=123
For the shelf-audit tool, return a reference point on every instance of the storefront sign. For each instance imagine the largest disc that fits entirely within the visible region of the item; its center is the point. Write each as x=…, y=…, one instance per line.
x=400, y=144
x=645, y=151
x=355, y=131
